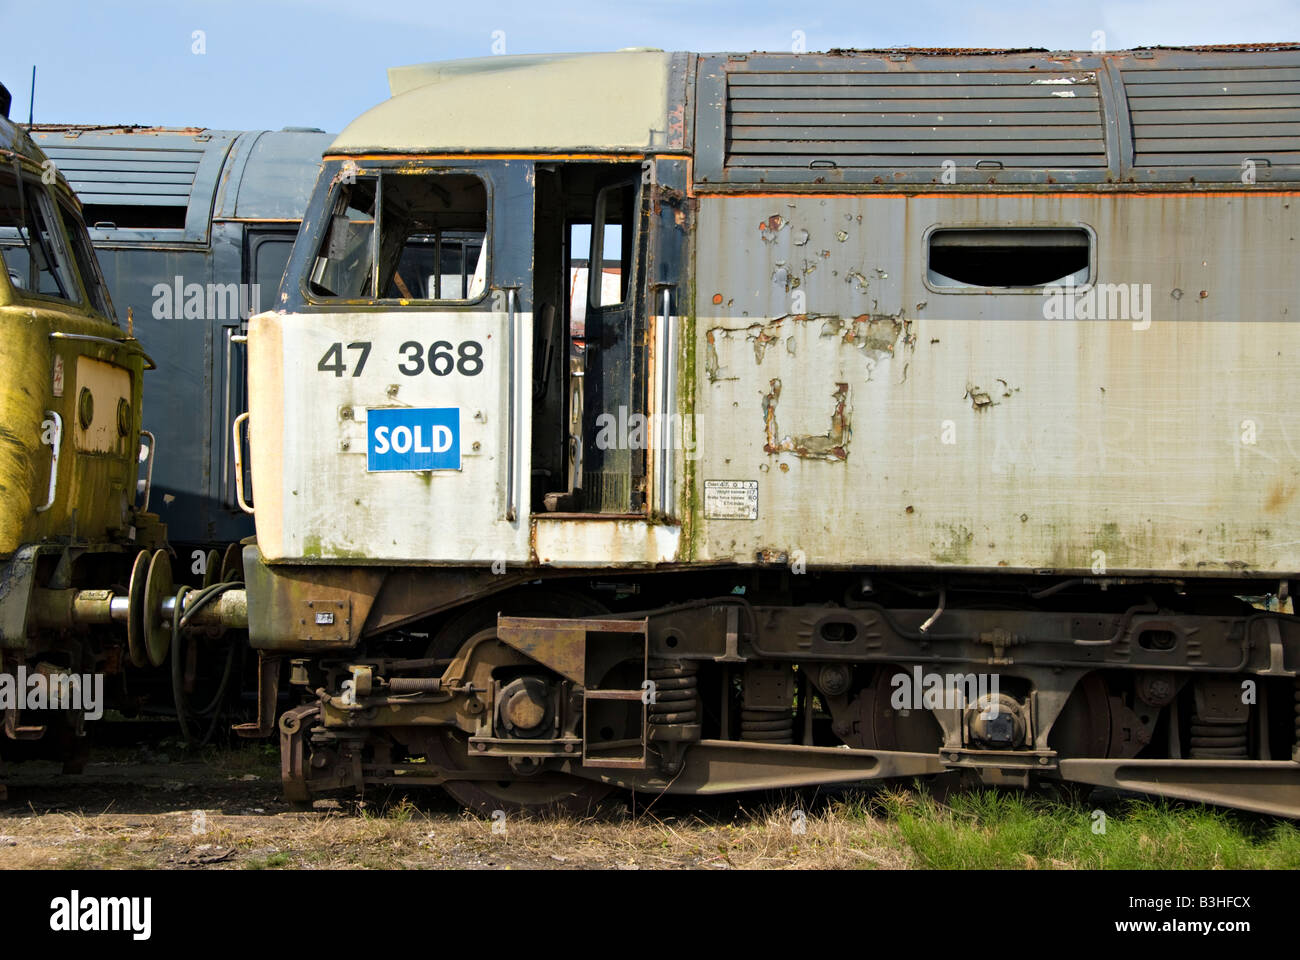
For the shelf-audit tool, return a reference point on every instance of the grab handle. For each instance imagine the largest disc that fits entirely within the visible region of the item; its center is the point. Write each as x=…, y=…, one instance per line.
x=239, y=462
x=56, y=441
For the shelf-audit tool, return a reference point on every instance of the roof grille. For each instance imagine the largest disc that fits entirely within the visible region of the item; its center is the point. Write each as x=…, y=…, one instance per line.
x=894, y=120
x=134, y=176
x=1214, y=116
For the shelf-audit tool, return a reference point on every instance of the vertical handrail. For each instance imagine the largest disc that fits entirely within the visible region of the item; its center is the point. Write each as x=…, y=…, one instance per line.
x=512, y=388
x=55, y=442
x=225, y=421
x=668, y=374
x=239, y=463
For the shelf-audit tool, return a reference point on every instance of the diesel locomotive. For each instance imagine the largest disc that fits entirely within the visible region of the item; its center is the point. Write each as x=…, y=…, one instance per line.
x=934, y=414
x=76, y=535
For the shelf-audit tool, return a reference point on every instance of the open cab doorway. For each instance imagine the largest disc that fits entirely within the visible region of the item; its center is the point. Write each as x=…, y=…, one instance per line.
x=590, y=436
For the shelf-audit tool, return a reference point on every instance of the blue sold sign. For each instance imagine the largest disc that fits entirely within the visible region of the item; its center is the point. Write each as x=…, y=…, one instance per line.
x=405, y=438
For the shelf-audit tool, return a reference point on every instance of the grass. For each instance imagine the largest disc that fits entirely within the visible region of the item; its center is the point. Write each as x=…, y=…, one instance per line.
x=989, y=829
x=280, y=859
x=859, y=829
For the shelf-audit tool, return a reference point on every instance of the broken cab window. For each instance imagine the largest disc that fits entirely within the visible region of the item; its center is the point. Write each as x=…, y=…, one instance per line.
x=1008, y=257
x=432, y=231
x=344, y=267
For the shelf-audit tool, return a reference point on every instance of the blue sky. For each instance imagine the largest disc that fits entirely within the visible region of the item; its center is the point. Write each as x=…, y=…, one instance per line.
x=291, y=62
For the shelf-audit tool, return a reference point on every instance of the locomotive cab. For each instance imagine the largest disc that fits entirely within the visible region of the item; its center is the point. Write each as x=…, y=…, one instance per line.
x=476, y=334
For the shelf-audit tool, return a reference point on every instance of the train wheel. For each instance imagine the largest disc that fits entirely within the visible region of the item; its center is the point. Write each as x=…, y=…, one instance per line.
x=540, y=792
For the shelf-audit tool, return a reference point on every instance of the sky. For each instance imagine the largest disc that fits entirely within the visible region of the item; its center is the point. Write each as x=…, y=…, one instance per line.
x=245, y=64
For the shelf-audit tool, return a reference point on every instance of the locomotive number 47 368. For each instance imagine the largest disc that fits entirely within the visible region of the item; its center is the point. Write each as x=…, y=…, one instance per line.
x=467, y=360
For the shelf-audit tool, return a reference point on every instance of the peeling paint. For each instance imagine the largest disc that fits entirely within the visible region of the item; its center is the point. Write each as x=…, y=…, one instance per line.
x=857, y=276
x=979, y=399
x=769, y=229
x=832, y=445
x=874, y=335
x=762, y=335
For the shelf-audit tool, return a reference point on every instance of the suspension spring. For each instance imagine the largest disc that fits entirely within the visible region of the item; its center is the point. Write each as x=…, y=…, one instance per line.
x=767, y=724
x=677, y=693
x=1219, y=739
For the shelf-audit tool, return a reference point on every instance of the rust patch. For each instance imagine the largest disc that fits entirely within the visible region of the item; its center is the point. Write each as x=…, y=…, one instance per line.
x=769, y=228
x=876, y=335
x=832, y=445
x=763, y=334
x=979, y=398
x=677, y=126
x=711, y=358
x=1279, y=495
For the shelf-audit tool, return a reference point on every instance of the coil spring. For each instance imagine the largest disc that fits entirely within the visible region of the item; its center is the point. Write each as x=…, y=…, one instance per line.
x=767, y=724
x=677, y=692
x=1219, y=739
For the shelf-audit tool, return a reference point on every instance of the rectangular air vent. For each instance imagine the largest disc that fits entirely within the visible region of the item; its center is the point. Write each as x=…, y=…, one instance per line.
x=136, y=177
x=1214, y=117
x=904, y=125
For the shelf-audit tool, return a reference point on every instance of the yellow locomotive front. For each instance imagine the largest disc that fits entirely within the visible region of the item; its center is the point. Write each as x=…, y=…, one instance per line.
x=71, y=526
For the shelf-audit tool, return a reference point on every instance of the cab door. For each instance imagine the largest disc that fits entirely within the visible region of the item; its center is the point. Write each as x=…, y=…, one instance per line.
x=402, y=371
x=614, y=385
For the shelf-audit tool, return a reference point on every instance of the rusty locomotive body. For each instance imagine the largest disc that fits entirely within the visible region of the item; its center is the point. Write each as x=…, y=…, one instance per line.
x=932, y=413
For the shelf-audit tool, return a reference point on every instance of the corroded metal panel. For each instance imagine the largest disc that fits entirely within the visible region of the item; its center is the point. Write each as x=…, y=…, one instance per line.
x=888, y=419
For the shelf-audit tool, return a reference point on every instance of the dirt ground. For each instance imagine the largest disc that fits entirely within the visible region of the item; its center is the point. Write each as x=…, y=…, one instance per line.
x=141, y=808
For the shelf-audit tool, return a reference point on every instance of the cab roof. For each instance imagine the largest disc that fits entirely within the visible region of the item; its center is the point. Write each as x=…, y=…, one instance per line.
x=572, y=102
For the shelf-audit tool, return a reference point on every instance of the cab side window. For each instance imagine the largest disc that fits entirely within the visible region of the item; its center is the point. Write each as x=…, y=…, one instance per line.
x=35, y=257
x=87, y=265
x=345, y=266
x=429, y=243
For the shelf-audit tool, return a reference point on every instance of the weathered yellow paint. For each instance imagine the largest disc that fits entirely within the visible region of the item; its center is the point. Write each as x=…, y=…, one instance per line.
x=96, y=487
x=24, y=463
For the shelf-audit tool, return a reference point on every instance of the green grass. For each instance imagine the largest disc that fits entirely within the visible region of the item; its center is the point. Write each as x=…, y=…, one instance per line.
x=274, y=860
x=988, y=829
